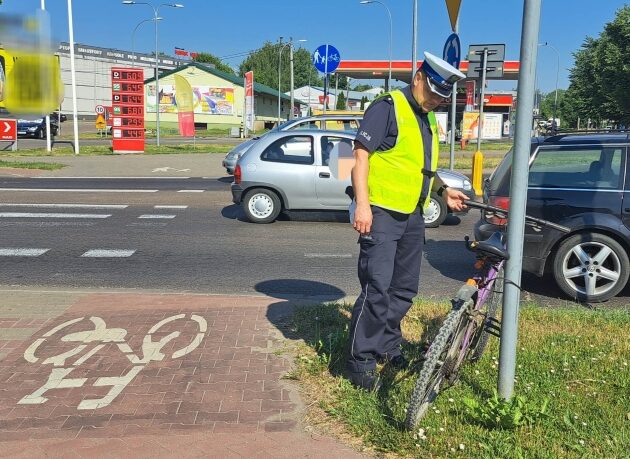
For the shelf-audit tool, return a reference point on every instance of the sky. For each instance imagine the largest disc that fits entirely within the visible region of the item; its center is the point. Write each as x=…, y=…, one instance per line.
x=359, y=32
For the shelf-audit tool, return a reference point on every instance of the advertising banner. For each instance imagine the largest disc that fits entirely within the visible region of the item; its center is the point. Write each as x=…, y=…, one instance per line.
x=491, y=128
x=184, y=100
x=207, y=100
x=470, y=95
x=442, y=123
x=249, y=100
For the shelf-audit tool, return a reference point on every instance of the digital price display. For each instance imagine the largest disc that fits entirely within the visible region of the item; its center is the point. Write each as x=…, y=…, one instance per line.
x=128, y=110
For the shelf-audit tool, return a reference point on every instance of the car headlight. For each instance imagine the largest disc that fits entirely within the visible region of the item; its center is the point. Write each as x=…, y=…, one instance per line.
x=467, y=185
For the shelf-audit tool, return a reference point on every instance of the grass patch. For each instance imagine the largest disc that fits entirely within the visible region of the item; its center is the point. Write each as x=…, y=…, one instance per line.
x=31, y=165
x=99, y=150
x=572, y=383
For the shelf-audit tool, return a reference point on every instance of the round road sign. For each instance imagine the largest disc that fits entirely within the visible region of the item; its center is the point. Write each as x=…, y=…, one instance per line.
x=99, y=109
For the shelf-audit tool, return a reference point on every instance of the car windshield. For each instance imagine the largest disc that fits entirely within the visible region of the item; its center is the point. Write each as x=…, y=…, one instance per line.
x=282, y=126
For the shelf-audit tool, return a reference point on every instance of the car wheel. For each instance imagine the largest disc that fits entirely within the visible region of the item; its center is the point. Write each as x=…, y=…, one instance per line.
x=261, y=205
x=436, y=213
x=591, y=267
x=41, y=134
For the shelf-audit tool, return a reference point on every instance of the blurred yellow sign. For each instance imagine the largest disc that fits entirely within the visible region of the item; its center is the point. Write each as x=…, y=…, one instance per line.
x=100, y=122
x=33, y=85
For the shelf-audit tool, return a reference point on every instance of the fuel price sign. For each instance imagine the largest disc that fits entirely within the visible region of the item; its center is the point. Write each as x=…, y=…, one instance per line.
x=128, y=110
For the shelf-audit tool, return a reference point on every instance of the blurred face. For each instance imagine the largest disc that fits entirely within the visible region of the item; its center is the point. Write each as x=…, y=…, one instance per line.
x=427, y=99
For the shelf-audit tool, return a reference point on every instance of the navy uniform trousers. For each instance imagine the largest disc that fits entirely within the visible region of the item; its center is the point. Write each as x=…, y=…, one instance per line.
x=389, y=272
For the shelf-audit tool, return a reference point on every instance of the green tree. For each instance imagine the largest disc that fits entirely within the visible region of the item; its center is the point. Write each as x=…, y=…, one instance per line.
x=207, y=58
x=341, y=101
x=264, y=63
x=364, y=99
x=363, y=87
x=600, y=78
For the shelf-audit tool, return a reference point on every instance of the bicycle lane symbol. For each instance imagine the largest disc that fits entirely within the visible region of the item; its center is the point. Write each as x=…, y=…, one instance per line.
x=100, y=336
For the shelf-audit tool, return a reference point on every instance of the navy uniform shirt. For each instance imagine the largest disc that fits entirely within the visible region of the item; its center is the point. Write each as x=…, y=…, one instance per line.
x=378, y=130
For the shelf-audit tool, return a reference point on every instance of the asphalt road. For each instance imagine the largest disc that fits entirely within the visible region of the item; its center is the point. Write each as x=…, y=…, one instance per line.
x=185, y=235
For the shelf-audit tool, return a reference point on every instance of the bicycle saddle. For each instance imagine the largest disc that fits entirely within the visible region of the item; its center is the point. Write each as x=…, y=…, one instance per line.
x=494, y=245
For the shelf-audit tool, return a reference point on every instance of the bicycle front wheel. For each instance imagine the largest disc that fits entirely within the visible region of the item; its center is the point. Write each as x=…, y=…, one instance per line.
x=433, y=369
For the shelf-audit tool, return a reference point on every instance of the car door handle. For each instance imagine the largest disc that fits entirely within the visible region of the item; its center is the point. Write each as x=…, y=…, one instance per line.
x=324, y=175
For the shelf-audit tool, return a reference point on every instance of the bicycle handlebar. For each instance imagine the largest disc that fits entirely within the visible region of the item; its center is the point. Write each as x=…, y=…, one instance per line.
x=504, y=213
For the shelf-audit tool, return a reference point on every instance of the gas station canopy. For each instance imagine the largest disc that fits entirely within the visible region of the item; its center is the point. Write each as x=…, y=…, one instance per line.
x=401, y=70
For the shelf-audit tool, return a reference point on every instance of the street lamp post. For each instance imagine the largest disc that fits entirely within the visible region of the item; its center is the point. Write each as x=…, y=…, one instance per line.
x=555, y=102
x=156, y=9
x=367, y=2
x=290, y=45
x=133, y=35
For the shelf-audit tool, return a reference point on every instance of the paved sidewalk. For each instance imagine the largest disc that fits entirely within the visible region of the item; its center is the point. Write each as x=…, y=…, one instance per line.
x=119, y=374
x=163, y=165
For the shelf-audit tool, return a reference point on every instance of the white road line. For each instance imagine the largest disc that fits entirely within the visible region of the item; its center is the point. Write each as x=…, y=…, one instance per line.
x=145, y=177
x=157, y=216
x=69, y=206
x=22, y=252
x=107, y=253
x=191, y=191
x=328, y=255
x=170, y=207
x=49, y=215
x=79, y=190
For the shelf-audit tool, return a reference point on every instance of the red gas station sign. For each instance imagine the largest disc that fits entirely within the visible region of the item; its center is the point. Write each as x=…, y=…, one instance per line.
x=127, y=110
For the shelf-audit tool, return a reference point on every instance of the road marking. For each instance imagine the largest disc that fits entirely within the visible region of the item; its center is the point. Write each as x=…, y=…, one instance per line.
x=191, y=191
x=107, y=253
x=49, y=215
x=80, y=190
x=157, y=216
x=69, y=206
x=22, y=252
x=144, y=177
x=328, y=255
x=170, y=207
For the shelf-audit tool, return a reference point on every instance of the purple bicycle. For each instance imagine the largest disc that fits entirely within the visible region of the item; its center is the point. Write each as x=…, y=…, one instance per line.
x=466, y=329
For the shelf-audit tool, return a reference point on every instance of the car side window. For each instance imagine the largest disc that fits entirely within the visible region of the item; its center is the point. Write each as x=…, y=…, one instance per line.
x=291, y=150
x=330, y=144
x=580, y=168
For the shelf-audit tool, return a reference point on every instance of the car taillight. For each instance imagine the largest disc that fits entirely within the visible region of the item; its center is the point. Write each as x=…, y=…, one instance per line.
x=502, y=202
x=237, y=174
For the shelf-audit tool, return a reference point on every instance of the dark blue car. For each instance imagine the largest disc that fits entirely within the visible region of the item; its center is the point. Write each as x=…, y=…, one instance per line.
x=580, y=181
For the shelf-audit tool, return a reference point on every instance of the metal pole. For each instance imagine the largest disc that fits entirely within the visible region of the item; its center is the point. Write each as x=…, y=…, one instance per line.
x=291, y=66
x=483, y=87
x=279, y=78
x=326, y=79
x=518, y=194
x=414, y=39
x=336, y=90
x=555, y=102
x=157, y=80
x=74, y=80
x=245, y=107
x=391, y=34
x=453, y=114
x=46, y=38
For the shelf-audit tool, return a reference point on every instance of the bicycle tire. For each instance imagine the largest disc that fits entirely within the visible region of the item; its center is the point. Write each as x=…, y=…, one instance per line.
x=492, y=306
x=431, y=376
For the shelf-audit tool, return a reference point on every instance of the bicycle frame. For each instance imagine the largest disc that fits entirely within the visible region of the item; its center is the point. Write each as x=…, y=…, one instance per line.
x=484, y=279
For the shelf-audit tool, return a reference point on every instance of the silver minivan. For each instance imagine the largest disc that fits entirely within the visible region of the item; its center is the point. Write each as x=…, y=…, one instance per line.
x=289, y=170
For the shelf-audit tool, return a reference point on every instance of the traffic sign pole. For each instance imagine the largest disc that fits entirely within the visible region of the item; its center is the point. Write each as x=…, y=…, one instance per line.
x=326, y=80
x=518, y=197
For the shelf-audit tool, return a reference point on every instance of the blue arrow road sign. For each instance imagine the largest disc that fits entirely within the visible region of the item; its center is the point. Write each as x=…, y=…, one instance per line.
x=452, y=50
x=326, y=58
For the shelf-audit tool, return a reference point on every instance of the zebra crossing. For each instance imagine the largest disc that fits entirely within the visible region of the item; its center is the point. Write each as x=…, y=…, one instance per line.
x=9, y=216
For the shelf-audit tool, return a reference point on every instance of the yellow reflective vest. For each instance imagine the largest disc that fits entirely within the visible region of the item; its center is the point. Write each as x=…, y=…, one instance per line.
x=395, y=178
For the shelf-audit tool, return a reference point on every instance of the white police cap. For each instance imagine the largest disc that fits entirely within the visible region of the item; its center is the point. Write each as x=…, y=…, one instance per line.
x=440, y=74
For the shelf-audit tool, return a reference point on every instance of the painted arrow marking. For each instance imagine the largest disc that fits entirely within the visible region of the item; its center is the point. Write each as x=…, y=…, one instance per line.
x=7, y=127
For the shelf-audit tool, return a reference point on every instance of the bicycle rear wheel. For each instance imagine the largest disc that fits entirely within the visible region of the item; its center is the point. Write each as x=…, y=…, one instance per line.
x=495, y=299
x=434, y=369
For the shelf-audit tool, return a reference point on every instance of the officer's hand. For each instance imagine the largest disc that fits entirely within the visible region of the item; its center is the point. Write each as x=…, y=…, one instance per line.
x=455, y=199
x=363, y=219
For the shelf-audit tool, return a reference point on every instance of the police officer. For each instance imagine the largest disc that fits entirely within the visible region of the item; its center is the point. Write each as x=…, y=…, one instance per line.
x=396, y=153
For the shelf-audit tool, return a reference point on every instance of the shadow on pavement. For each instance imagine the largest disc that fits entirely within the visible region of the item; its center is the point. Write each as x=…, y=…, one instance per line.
x=450, y=258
